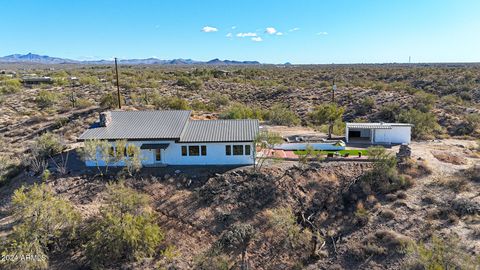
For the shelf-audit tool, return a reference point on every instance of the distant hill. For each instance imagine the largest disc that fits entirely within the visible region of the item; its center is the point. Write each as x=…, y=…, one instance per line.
x=45, y=59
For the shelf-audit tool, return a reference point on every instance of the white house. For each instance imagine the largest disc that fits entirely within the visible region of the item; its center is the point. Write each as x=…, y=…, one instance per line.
x=378, y=133
x=172, y=138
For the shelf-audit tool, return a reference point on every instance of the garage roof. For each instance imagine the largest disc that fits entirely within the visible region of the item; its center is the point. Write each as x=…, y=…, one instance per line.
x=376, y=125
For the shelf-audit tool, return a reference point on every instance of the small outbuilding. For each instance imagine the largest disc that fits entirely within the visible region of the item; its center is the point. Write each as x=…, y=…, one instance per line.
x=378, y=133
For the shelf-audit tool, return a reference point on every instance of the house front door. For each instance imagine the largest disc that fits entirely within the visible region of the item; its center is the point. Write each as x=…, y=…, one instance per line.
x=158, y=155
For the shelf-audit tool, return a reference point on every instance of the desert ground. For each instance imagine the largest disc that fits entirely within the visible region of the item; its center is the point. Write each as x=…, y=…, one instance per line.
x=357, y=222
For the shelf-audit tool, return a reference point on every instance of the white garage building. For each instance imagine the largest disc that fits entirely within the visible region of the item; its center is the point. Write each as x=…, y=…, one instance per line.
x=378, y=133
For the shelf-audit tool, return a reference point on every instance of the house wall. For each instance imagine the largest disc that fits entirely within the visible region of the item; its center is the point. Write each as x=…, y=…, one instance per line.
x=400, y=134
x=396, y=135
x=215, y=155
x=172, y=155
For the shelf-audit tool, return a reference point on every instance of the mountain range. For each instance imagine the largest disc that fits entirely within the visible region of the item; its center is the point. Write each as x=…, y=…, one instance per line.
x=45, y=59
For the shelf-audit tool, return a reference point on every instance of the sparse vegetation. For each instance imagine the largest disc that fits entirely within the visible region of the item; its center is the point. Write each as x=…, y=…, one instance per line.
x=327, y=114
x=347, y=200
x=45, y=224
x=440, y=254
x=125, y=229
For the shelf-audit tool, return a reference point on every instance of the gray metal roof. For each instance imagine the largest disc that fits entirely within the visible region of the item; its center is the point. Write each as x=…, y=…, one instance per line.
x=220, y=130
x=156, y=125
x=140, y=125
x=376, y=125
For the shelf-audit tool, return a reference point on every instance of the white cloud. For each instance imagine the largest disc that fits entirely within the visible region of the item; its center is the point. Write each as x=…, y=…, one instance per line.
x=279, y=34
x=209, y=29
x=249, y=34
x=294, y=29
x=270, y=30
x=229, y=35
x=257, y=39
x=322, y=33
x=234, y=27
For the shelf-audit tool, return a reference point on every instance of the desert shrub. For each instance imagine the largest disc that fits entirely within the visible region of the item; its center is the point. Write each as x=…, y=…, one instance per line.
x=326, y=114
x=189, y=84
x=465, y=207
x=365, y=106
x=424, y=101
x=172, y=103
x=389, y=112
x=240, y=111
x=88, y=80
x=281, y=115
x=237, y=239
x=83, y=103
x=338, y=128
x=217, y=101
x=125, y=229
x=210, y=261
x=198, y=105
x=439, y=254
x=381, y=242
x=46, y=98
x=48, y=144
x=109, y=100
x=425, y=123
x=362, y=217
x=10, y=86
x=415, y=168
x=285, y=229
x=387, y=214
x=451, y=99
x=468, y=126
x=384, y=176
x=45, y=223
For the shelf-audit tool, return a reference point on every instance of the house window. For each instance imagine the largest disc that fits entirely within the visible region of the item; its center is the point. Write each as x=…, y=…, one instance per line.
x=158, y=154
x=247, y=150
x=238, y=150
x=204, y=150
x=194, y=150
x=228, y=150
x=184, y=151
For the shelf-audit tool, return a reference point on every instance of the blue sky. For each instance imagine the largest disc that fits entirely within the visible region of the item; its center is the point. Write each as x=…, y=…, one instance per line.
x=302, y=31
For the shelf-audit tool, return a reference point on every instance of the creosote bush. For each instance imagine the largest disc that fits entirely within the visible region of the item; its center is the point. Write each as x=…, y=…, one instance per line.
x=125, y=230
x=285, y=229
x=384, y=177
x=45, y=223
x=46, y=99
x=440, y=254
x=281, y=115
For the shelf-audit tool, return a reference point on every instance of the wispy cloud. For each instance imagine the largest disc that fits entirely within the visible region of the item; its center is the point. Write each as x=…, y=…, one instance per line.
x=279, y=34
x=229, y=35
x=257, y=39
x=294, y=29
x=209, y=29
x=321, y=34
x=248, y=34
x=270, y=30
x=234, y=27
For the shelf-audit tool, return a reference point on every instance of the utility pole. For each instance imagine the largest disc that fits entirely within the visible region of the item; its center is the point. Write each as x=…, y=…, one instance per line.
x=118, y=85
x=334, y=88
